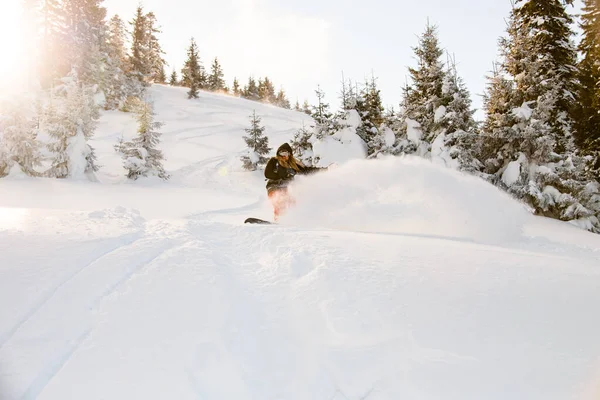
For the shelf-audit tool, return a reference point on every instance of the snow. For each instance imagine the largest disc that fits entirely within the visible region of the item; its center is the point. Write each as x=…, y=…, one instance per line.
x=389, y=136
x=413, y=130
x=524, y=112
x=77, y=151
x=390, y=278
x=440, y=112
x=343, y=146
x=512, y=172
x=440, y=154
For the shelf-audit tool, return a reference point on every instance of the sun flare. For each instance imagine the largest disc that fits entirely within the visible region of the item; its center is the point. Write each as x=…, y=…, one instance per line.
x=11, y=42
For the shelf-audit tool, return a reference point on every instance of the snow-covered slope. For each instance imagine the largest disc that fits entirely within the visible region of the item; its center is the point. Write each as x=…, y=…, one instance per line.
x=390, y=279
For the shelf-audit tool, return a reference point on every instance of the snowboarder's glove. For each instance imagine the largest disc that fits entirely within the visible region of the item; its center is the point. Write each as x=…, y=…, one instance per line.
x=291, y=172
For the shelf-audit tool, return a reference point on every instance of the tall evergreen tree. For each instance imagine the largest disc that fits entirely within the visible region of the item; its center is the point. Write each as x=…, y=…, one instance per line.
x=173, y=80
x=216, y=81
x=47, y=27
x=117, y=86
x=139, y=67
x=18, y=139
x=191, y=72
x=322, y=116
x=530, y=148
x=301, y=144
x=258, y=144
x=587, y=121
x=70, y=120
x=155, y=60
x=86, y=39
x=281, y=100
x=542, y=58
x=140, y=156
x=251, y=90
x=236, y=87
x=424, y=96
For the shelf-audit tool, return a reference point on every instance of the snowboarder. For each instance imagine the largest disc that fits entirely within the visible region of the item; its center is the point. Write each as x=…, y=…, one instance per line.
x=280, y=171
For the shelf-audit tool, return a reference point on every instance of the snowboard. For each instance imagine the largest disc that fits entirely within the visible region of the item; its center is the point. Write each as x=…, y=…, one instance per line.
x=257, y=221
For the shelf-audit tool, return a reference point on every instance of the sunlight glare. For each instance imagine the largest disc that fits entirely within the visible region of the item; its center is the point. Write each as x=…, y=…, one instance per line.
x=12, y=218
x=11, y=43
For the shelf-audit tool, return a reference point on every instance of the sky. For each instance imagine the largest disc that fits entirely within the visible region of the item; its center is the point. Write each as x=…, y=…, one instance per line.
x=302, y=44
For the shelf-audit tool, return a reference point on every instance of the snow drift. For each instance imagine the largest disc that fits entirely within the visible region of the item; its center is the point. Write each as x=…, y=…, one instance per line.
x=406, y=195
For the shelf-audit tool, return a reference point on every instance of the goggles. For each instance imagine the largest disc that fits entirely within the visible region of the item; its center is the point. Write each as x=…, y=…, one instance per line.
x=284, y=153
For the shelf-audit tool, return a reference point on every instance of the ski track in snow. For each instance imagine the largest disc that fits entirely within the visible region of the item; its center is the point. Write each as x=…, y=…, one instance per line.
x=195, y=305
x=44, y=299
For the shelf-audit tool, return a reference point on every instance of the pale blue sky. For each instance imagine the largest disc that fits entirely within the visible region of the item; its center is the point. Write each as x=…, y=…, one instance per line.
x=300, y=44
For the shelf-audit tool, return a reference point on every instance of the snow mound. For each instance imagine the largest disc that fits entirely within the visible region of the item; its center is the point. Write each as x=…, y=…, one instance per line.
x=406, y=195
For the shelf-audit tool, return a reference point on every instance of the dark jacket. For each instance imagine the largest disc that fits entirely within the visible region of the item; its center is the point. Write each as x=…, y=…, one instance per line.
x=279, y=177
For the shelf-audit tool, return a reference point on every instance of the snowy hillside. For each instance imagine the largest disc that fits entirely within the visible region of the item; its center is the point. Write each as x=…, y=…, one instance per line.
x=391, y=278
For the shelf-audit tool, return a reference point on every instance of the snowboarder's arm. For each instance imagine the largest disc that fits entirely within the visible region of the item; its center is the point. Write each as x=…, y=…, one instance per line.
x=275, y=171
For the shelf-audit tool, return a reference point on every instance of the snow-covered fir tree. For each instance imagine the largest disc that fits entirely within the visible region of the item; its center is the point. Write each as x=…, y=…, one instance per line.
x=258, y=144
x=236, y=87
x=19, y=146
x=86, y=31
x=250, y=91
x=191, y=74
x=49, y=19
x=281, y=100
x=266, y=91
x=587, y=121
x=423, y=96
x=162, y=77
x=302, y=144
x=141, y=157
x=118, y=85
x=216, y=80
x=530, y=144
x=456, y=142
x=369, y=107
x=306, y=108
x=323, y=117
x=173, y=80
x=70, y=120
x=155, y=53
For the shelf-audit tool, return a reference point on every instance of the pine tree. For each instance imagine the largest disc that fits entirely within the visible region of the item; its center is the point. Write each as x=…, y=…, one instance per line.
x=86, y=40
x=281, y=100
x=529, y=113
x=70, y=120
x=322, y=116
x=258, y=144
x=370, y=109
x=117, y=87
x=423, y=98
x=456, y=144
x=173, y=81
x=587, y=121
x=19, y=145
x=191, y=72
x=236, y=88
x=140, y=156
x=216, y=81
x=542, y=61
x=306, y=108
x=139, y=67
x=301, y=144
x=297, y=106
x=49, y=21
x=155, y=60
x=251, y=90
